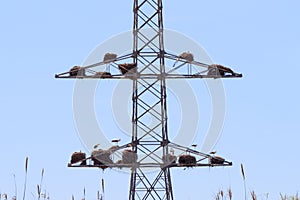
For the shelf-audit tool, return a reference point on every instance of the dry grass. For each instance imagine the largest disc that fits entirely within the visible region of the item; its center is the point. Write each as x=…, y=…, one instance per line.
x=221, y=194
x=25, y=181
x=244, y=178
x=253, y=195
x=230, y=194
x=286, y=197
x=40, y=195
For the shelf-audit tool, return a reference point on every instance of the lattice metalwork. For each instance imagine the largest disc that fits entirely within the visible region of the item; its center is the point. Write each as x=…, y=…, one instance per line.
x=145, y=66
x=149, y=98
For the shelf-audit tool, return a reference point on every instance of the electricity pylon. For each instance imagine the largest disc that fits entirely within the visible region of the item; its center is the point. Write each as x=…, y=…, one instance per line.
x=148, y=72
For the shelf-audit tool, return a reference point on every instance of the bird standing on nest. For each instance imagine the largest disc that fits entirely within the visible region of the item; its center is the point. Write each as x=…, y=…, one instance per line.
x=172, y=151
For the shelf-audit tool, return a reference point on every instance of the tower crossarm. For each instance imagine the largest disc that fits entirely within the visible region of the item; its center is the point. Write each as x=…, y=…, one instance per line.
x=178, y=68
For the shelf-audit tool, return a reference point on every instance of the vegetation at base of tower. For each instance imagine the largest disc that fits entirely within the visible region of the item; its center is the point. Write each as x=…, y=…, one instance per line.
x=228, y=195
x=41, y=193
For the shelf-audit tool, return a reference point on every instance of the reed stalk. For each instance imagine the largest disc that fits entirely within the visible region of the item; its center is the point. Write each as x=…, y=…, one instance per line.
x=25, y=181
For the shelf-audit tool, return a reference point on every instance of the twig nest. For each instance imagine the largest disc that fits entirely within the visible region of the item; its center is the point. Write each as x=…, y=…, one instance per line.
x=113, y=149
x=187, y=160
x=77, y=71
x=119, y=162
x=129, y=157
x=217, y=160
x=216, y=69
x=109, y=57
x=101, y=157
x=187, y=56
x=77, y=157
x=127, y=68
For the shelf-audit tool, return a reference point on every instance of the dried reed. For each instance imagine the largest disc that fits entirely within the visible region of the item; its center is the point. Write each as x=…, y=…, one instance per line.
x=230, y=193
x=25, y=181
x=244, y=178
x=16, y=190
x=253, y=195
x=39, y=187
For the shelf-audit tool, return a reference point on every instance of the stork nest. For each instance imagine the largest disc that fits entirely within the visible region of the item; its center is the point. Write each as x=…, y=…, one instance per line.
x=216, y=160
x=77, y=157
x=187, y=56
x=102, y=158
x=113, y=149
x=216, y=69
x=187, y=160
x=129, y=157
x=109, y=57
x=77, y=71
x=127, y=68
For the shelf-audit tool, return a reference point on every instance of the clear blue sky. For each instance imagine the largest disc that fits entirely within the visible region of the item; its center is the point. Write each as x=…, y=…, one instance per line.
x=258, y=38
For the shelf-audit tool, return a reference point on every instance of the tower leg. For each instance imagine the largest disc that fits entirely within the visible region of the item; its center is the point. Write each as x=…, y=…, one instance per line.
x=151, y=186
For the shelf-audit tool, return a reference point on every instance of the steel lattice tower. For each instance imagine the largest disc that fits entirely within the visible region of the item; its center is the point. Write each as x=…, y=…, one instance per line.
x=149, y=98
x=149, y=53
